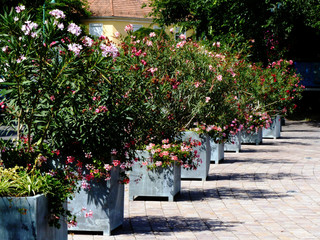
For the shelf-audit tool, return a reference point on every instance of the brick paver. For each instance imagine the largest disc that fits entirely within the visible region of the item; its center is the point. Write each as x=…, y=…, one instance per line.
x=270, y=191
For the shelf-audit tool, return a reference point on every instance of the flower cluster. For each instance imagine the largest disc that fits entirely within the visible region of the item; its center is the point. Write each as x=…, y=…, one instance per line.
x=74, y=29
x=256, y=120
x=166, y=154
x=29, y=28
x=57, y=14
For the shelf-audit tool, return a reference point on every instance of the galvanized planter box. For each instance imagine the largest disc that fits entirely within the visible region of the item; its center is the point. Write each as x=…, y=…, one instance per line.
x=205, y=155
x=234, y=144
x=26, y=218
x=252, y=137
x=160, y=182
x=217, y=152
x=106, y=201
x=274, y=130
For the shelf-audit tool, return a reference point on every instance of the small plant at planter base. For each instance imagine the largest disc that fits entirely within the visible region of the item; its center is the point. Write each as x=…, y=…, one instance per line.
x=57, y=186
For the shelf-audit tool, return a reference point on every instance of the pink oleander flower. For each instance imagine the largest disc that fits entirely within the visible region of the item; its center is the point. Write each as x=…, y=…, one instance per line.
x=150, y=146
x=208, y=99
x=116, y=162
x=123, y=166
x=85, y=185
x=109, y=50
x=165, y=141
x=60, y=26
x=152, y=70
x=128, y=28
x=144, y=163
x=70, y=159
x=180, y=44
x=217, y=44
x=165, y=153
x=174, y=158
x=89, y=214
x=143, y=62
x=149, y=43
x=28, y=27
x=219, y=77
x=152, y=34
x=196, y=84
x=21, y=58
x=74, y=47
x=20, y=8
x=107, y=167
x=182, y=36
x=56, y=13
x=74, y=29
x=87, y=41
x=166, y=146
x=171, y=30
x=158, y=163
x=116, y=34
x=5, y=48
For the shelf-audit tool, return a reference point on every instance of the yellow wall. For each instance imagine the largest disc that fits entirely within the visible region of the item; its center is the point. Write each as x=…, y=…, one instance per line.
x=111, y=26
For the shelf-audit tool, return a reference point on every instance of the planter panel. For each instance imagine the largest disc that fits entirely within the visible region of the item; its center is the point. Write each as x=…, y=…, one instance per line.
x=234, y=145
x=106, y=201
x=252, y=137
x=160, y=182
x=274, y=130
x=217, y=152
x=26, y=218
x=205, y=155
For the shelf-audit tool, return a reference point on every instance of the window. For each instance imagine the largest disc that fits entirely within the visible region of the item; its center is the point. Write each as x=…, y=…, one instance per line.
x=96, y=29
x=136, y=27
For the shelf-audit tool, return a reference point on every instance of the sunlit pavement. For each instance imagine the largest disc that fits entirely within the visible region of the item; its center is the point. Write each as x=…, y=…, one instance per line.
x=269, y=191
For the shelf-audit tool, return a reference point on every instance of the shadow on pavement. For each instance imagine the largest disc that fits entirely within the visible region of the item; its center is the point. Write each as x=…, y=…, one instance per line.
x=151, y=225
x=229, y=193
x=229, y=160
x=252, y=177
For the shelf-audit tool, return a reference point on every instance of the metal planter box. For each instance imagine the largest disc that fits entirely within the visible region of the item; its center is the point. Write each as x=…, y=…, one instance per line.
x=234, y=145
x=205, y=155
x=252, y=137
x=106, y=201
x=217, y=151
x=274, y=130
x=26, y=218
x=160, y=182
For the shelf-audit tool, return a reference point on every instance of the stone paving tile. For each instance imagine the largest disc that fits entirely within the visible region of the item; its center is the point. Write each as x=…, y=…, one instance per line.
x=269, y=191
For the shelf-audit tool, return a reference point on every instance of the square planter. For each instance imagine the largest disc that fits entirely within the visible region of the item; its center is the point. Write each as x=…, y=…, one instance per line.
x=234, y=143
x=205, y=154
x=26, y=218
x=251, y=137
x=217, y=151
x=283, y=123
x=159, y=182
x=106, y=201
x=274, y=130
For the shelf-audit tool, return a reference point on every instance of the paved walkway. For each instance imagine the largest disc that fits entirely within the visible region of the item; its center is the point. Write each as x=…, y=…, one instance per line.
x=270, y=191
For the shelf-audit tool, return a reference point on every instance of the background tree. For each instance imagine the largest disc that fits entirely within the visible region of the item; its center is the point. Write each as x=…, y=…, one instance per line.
x=280, y=28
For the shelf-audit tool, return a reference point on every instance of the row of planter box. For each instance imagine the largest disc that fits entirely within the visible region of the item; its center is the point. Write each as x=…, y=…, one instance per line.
x=101, y=209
